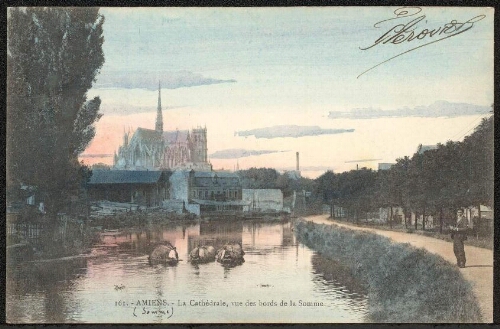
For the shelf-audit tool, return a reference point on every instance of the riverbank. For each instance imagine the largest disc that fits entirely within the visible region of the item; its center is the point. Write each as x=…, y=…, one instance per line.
x=478, y=270
x=405, y=284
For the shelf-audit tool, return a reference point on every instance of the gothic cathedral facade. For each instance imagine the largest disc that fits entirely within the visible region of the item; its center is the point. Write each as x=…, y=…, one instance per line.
x=156, y=149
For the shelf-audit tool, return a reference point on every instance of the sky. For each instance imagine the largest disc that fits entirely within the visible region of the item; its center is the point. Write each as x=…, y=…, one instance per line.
x=269, y=82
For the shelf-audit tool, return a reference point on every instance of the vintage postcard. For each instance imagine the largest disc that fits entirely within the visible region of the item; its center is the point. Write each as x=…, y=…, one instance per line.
x=249, y=165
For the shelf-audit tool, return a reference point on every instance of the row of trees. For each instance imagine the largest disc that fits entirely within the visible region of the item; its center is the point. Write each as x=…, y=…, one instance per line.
x=454, y=175
x=53, y=57
x=433, y=182
x=268, y=178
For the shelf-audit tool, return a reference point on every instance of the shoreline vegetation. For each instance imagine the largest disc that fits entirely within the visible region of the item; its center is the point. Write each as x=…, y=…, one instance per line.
x=405, y=284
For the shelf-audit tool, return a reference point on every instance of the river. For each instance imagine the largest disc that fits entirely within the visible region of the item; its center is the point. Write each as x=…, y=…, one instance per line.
x=281, y=281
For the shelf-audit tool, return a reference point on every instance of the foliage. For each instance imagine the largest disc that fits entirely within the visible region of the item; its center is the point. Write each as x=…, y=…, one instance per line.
x=478, y=159
x=438, y=181
x=405, y=284
x=327, y=186
x=53, y=57
x=353, y=189
x=267, y=178
x=258, y=178
x=100, y=166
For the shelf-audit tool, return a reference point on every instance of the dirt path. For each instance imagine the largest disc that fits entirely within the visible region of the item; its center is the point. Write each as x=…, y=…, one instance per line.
x=478, y=270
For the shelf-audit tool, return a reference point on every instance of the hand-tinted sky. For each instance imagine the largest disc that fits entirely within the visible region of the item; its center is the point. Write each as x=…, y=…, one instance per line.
x=243, y=69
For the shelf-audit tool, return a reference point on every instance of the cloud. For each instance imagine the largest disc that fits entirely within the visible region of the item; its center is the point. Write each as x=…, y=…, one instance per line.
x=435, y=110
x=362, y=160
x=149, y=80
x=290, y=131
x=239, y=153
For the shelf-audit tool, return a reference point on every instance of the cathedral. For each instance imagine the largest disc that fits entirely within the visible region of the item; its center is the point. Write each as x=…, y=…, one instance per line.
x=156, y=149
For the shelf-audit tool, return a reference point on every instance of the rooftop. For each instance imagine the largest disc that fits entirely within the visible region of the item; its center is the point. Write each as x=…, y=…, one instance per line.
x=169, y=137
x=422, y=148
x=212, y=174
x=385, y=165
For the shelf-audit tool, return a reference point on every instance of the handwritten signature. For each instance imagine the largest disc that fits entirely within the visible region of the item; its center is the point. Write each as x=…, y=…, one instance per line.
x=410, y=31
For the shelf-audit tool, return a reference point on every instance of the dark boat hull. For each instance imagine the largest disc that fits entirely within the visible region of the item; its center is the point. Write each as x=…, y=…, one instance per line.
x=164, y=254
x=202, y=255
x=231, y=254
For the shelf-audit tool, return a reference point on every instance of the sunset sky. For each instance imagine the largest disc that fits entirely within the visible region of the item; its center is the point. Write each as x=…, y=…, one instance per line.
x=244, y=72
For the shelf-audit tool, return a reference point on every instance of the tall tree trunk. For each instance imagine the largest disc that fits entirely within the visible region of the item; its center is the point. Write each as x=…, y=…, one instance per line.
x=416, y=220
x=478, y=223
x=390, y=219
x=423, y=220
x=441, y=220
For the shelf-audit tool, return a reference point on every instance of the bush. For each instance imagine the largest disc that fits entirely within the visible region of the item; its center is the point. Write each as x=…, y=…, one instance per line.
x=405, y=284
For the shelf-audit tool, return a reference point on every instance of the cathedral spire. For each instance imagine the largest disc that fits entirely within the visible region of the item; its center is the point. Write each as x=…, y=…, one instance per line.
x=159, y=116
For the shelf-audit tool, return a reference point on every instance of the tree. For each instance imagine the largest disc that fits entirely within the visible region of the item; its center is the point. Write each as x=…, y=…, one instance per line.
x=387, y=195
x=356, y=190
x=258, y=178
x=326, y=186
x=53, y=57
x=284, y=182
x=100, y=166
x=399, y=184
x=478, y=159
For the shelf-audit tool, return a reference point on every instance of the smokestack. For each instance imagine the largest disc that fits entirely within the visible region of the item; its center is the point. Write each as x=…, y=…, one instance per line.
x=297, y=154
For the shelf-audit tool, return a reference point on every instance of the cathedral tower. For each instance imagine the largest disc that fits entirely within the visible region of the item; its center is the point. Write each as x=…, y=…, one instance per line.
x=159, y=116
x=199, y=145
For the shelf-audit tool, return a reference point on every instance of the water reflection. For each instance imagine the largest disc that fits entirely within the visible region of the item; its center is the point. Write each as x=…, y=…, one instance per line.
x=262, y=238
x=276, y=268
x=45, y=282
x=331, y=275
x=216, y=234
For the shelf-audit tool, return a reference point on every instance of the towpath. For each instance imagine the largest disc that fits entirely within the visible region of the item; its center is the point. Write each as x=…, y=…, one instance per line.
x=478, y=270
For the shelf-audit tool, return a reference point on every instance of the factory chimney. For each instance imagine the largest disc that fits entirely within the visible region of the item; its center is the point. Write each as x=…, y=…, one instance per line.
x=297, y=154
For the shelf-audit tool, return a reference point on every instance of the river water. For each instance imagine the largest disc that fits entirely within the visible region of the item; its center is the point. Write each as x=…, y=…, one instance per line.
x=281, y=280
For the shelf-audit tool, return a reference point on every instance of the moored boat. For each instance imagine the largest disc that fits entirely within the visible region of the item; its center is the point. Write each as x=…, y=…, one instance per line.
x=164, y=254
x=231, y=254
x=202, y=254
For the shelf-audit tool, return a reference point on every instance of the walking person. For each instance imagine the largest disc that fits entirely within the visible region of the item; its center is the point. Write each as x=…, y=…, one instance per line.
x=459, y=235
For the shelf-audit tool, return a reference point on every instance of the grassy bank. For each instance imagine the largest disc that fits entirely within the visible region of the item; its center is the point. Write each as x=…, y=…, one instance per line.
x=405, y=284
